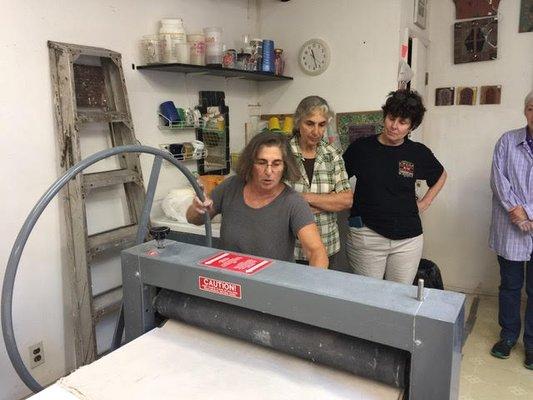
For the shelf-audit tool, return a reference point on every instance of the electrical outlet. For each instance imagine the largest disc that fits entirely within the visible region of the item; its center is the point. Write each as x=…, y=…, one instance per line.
x=36, y=354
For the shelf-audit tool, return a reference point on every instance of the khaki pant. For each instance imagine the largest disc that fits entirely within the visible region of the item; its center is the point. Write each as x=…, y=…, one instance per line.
x=371, y=254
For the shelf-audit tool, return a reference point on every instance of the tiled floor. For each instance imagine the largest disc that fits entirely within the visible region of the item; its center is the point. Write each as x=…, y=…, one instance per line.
x=484, y=377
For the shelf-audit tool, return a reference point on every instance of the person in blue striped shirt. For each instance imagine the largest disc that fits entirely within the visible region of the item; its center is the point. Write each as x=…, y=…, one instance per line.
x=511, y=233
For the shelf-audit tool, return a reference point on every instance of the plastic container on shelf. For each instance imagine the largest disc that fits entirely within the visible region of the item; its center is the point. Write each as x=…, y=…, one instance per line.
x=214, y=58
x=171, y=33
x=213, y=45
x=197, y=48
x=173, y=25
x=273, y=124
x=169, y=111
x=267, y=64
x=243, y=61
x=150, y=50
x=279, y=63
x=288, y=125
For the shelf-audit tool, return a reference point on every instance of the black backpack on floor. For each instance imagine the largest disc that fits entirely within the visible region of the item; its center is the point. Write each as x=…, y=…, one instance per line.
x=430, y=273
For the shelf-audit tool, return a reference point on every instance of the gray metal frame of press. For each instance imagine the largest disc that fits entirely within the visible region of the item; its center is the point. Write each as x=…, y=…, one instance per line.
x=384, y=312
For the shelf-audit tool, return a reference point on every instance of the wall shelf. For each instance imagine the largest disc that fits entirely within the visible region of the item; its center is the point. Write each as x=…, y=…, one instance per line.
x=214, y=71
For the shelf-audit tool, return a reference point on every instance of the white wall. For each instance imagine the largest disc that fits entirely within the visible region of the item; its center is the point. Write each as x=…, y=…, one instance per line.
x=363, y=36
x=463, y=138
x=30, y=158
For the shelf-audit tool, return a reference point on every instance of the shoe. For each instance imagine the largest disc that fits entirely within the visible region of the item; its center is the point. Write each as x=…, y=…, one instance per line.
x=528, y=362
x=502, y=349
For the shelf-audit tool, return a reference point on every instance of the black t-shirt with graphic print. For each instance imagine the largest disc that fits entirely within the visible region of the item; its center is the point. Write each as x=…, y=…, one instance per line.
x=384, y=195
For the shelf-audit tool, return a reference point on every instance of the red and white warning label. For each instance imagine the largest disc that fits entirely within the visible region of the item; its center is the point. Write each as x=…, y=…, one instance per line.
x=223, y=288
x=236, y=262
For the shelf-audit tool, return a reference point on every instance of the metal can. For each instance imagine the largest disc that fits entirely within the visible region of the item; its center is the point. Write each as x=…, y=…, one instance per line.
x=230, y=58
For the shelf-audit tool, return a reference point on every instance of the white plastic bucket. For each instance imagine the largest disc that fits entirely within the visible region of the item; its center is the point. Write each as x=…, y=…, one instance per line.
x=197, y=49
x=170, y=34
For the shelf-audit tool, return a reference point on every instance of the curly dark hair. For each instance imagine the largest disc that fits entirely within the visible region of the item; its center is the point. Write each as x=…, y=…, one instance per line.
x=247, y=158
x=405, y=104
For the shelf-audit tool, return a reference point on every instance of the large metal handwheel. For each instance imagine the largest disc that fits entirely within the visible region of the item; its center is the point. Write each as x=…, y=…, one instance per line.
x=35, y=213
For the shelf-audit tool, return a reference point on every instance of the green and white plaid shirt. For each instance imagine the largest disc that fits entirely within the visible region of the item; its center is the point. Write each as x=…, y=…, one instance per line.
x=329, y=176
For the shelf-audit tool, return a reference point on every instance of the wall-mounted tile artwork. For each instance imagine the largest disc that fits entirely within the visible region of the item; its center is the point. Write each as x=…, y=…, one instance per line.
x=526, y=16
x=353, y=125
x=465, y=9
x=466, y=95
x=490, y=94
x=475, y=40
x=444, y=96
x=420, y=13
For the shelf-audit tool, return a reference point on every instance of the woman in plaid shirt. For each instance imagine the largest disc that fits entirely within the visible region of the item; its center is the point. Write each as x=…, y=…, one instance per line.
x=324, y=183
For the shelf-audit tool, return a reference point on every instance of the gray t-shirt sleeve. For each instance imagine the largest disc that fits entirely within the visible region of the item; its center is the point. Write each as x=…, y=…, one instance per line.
x=217, y=195
x=301, y=214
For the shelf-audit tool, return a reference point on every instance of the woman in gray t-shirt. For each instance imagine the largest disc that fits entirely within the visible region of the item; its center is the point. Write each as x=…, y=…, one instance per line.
x=260, y=214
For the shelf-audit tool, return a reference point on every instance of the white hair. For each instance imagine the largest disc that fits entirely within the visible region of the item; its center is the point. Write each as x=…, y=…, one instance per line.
x=528, y=99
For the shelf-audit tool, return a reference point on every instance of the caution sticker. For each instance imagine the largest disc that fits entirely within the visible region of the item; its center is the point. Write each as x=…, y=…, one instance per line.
x=222, y=288
x=236, y=262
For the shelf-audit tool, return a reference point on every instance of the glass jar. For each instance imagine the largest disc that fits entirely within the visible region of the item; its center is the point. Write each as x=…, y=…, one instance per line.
x=150, y=49
x=279, y=62
x=230, y=58
x=256, y=52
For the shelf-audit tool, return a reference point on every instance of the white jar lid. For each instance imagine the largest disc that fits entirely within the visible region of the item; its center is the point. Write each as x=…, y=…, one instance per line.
x=171, y=21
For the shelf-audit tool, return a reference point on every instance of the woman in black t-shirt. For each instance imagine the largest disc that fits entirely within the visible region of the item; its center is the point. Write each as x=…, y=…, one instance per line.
x=385, y=238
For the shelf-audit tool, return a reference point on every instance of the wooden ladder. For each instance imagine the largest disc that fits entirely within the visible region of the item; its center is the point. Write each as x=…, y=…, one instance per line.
x=86, y=92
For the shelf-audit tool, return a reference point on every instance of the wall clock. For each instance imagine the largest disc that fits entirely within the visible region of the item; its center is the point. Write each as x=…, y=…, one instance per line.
x=314, y=56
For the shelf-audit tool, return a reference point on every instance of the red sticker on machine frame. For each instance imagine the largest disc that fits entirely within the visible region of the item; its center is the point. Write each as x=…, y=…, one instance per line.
x=222, y=288
x=236, y=262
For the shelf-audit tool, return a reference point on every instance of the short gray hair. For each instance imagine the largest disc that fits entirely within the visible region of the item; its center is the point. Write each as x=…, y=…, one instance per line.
x=528, y=99
x=308, y=106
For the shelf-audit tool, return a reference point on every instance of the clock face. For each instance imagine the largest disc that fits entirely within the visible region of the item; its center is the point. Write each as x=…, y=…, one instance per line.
x=314, y=56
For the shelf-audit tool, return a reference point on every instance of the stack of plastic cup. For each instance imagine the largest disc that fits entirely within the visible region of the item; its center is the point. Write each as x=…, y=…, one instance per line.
x=267, y=64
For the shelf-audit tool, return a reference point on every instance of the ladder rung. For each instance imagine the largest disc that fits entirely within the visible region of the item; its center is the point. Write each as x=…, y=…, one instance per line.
x=114, y=238
x=109, y=178
x=106, y=303
x=101, y=116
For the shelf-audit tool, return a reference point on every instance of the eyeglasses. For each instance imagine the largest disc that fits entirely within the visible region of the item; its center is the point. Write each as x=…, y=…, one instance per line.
x=276, y=165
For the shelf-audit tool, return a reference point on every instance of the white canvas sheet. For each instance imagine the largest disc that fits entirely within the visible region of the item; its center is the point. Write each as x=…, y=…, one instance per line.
x=179, y=361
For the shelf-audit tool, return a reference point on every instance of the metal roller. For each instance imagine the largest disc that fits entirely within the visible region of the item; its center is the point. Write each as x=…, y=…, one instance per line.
x=358, y=356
